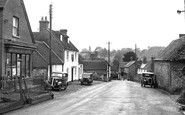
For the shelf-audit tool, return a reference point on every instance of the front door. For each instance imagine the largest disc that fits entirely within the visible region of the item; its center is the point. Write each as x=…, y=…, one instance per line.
x=72, y=72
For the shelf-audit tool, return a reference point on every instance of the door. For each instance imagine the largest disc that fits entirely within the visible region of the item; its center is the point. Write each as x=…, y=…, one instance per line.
x=72, y=74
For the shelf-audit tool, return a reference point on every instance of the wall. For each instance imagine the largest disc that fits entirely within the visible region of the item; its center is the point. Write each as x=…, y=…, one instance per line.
x=162, y=72
x=14, y=8
x=177, y=77
x=68, y=65
x=132, y=71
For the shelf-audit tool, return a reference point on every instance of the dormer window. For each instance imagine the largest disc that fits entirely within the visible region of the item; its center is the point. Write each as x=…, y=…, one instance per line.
x=15, y=26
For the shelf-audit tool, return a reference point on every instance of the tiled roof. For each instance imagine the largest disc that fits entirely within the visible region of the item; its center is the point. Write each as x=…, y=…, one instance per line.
x=122, y=64
x=2, y=3
x=174, y=51
x=129, y=63
x=43, y=49
x=67, y=46
x=56, y=45
x=94, y=64
x=38, y=60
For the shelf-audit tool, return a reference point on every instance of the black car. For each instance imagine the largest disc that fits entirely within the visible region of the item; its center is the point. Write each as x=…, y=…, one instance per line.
x=87, y=78
x=59, y=81
x=148, y=78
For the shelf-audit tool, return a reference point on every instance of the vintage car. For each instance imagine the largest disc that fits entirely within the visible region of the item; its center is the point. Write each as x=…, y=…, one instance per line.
x=87, y=78
x=148, y=78
x=58, y=81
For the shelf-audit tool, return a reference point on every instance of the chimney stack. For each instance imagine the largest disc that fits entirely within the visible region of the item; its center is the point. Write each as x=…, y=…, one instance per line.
x=65, y=37
x=43, y=24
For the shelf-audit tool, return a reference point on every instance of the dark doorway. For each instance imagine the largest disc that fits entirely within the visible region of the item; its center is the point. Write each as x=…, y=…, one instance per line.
x=72, y=71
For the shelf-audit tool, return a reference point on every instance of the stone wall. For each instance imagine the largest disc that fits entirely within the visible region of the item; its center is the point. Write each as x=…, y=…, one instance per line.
x=162, y=72
x=177, y=77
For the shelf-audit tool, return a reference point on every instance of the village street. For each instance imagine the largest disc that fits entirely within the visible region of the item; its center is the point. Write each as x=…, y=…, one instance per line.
x=106, y=98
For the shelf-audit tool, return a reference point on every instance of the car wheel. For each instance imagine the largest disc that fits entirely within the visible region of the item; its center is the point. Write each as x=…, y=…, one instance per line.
x=65, y=87
x=59, y=89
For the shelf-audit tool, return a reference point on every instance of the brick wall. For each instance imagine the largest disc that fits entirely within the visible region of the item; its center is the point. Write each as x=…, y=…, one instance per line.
x=14, y=8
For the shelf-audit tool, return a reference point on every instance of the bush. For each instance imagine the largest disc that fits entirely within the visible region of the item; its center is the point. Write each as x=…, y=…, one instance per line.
x=181, y=98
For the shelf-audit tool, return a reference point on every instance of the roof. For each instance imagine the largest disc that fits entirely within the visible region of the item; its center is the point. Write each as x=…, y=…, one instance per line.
x=67, y=45
x=43, y=50
x=2, y=3
x=143, y=65
x=94, y=64
x=129, y=63
x=122, y=64
x=56, y=46
x=174, y=51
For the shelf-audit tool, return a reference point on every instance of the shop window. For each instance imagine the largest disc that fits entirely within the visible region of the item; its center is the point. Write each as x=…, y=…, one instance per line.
x=15, y=26
x=23, y=65
x=14, y=71
x=27, y=65
x=8, y=66
x=17, y=65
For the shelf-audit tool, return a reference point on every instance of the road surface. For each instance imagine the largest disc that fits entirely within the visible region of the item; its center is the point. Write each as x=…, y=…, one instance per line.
x=107, y=98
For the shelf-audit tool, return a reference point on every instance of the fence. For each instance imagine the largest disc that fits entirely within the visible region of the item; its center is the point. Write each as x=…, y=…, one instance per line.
x=17, y=91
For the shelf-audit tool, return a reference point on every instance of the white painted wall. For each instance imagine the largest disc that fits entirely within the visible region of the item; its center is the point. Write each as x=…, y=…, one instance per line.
x=69, y=64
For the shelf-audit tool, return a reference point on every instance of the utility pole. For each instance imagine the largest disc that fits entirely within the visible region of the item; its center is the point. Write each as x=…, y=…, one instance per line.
x=108, y=64
x=50, y=45
x=136, y=59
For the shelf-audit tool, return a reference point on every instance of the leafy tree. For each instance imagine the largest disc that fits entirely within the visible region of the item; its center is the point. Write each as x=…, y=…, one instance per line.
x=129, y=56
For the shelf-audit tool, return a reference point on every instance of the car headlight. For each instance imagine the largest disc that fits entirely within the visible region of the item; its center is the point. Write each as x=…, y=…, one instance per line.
x=59, y=82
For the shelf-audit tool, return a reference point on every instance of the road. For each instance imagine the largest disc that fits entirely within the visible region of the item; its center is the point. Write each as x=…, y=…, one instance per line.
x=107, y=98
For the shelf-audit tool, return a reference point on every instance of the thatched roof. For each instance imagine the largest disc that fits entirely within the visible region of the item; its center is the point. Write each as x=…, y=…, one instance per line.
x=175, y=51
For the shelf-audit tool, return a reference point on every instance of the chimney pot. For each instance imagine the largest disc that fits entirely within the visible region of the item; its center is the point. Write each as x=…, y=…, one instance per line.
x=46, y=18
x=42, y=18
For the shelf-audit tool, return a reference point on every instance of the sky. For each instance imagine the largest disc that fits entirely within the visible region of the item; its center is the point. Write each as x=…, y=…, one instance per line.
x=122, y=22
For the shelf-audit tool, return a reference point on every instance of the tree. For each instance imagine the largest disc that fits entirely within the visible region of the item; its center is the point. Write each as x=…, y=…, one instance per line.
x=129, y=56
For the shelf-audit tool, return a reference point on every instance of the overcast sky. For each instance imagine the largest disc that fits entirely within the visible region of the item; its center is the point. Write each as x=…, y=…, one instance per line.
x=122, y=22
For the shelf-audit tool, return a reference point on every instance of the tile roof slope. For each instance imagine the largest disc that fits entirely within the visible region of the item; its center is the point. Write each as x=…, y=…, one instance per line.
x=67, y=46
x=2, y=3
x=94, y=64
x=174, y=51
x=122, y=64
x=129, y=63
x=43, y=49
x=56, y=45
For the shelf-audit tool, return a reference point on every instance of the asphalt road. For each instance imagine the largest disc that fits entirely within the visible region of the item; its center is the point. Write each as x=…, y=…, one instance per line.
x=107, y=98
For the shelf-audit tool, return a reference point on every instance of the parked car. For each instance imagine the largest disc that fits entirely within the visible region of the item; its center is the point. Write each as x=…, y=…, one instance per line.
x=58, y=81
x=87, y=78
x=148, y=78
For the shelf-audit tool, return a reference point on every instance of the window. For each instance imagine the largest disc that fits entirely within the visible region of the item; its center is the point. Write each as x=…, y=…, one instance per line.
x=15, y=26
x=17, y=65
x=72, y=57
x=67, y=55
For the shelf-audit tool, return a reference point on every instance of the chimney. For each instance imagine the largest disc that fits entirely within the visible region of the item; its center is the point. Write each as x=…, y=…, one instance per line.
x=43, y=24
x=181, y=35
x=65, y=37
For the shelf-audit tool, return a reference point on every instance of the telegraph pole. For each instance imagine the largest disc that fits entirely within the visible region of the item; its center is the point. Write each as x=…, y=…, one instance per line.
x=50, y=63
x=108, y=64
x=136, y=59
